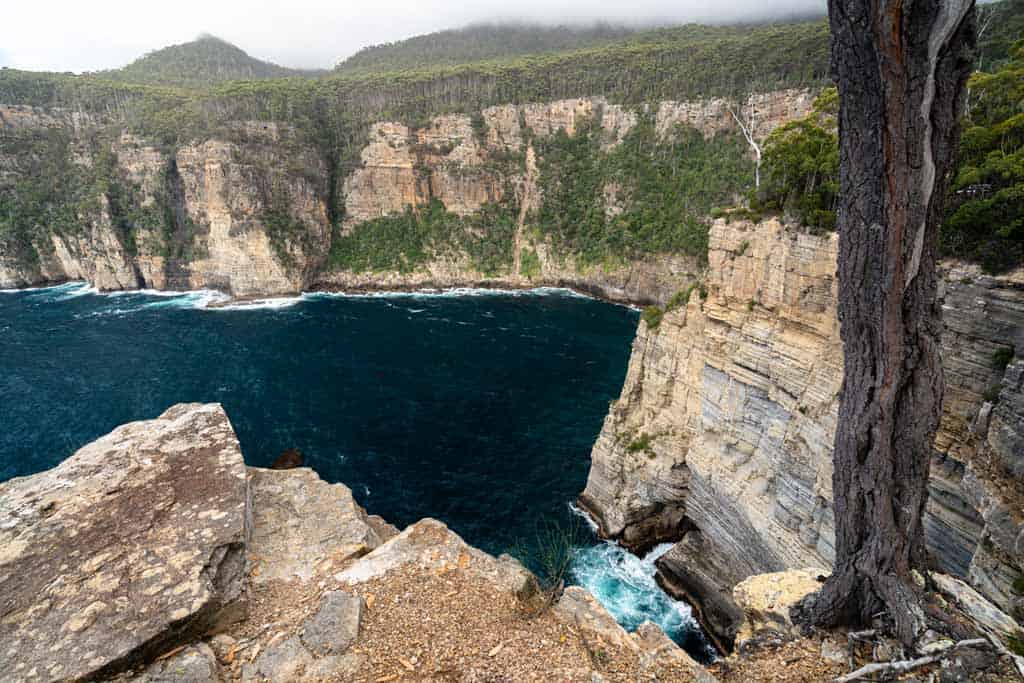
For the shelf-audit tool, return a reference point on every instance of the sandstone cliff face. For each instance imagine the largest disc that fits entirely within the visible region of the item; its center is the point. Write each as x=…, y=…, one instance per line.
x=202, y=218
x=246, y=212
x=725, y=425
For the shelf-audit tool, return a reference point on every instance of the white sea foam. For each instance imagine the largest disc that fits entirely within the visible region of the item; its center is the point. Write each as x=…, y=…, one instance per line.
x=260, y=304
x=585, y=516
x=204, y=299
x=625, y=585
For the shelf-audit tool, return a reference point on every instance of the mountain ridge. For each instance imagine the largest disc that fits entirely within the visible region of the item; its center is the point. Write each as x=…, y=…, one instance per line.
x=207, y=60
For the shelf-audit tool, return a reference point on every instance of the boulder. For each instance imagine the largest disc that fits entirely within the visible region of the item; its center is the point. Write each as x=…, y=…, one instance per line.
x=194, y=664
x=432, y=545
x=335, y=626
x=598, y=630
x=319, y=650
x=290, y=661
x=132, y=545
x=766, y=598
x=303, y=526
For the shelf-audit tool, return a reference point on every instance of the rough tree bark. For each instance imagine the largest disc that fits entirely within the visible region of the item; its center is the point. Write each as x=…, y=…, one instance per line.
x=901, y=67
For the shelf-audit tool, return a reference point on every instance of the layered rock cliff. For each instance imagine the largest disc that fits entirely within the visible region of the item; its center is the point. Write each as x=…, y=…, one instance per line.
x=257, y=207
x=723, y=434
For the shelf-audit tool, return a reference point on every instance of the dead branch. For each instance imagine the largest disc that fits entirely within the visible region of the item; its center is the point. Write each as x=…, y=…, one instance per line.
x=906, y=665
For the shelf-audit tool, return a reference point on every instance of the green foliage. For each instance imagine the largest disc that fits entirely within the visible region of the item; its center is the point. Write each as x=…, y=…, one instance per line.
x=1018, y=585
x=408, y=241
x=283, y=229
x=1015, y=644
x=641, y=443
x=550, y=556
x=198, y=64
x=801, y=166
x=1002, y=358
x=667, y=187
x=478, y=43
x=1001, y=24
x=986, y=221
x=985, y=208
x=529, y=264
x=652, y=315
x=682, y=298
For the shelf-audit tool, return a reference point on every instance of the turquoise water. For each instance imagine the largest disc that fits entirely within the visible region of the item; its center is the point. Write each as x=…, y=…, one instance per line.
x=477, y=408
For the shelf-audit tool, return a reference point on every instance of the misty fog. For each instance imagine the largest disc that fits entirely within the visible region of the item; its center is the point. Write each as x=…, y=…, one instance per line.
x=79, y=36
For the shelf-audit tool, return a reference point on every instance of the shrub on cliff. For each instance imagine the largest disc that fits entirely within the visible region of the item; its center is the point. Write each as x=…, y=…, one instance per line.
x=801, y=166
x=986, y=222
x=652, y=315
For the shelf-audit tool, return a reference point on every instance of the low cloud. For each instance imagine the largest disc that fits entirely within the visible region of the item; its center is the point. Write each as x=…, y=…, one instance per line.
x=70, y=35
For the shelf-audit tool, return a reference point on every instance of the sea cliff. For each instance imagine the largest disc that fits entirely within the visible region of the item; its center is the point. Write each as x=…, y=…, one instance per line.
x=722, y=438
x=257, y=209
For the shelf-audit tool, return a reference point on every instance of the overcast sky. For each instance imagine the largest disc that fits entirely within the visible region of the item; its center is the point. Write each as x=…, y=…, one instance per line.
x=87, y=35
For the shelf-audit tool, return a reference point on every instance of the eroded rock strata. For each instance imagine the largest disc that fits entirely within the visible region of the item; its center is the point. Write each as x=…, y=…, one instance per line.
x=255, y=209
x=155, y=555
x=723, y=433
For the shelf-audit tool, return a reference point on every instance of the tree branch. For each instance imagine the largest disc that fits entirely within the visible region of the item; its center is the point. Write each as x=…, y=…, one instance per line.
x=906, y=665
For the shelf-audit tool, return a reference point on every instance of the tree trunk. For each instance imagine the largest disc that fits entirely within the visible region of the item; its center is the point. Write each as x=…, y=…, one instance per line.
x=901, y=67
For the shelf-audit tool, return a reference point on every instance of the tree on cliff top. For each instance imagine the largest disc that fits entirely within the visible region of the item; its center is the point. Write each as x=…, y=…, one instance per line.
x=901, y=69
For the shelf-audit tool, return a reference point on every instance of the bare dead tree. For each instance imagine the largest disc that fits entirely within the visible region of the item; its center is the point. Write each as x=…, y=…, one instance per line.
x=901, y=68
x=748, y=126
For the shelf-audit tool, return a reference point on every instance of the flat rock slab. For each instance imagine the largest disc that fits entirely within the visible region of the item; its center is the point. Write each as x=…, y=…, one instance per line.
x=130, y=546
x=303, y=526
x=429, y=544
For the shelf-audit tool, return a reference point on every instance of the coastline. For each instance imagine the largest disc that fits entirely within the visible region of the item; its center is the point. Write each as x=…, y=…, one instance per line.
x=469, y=288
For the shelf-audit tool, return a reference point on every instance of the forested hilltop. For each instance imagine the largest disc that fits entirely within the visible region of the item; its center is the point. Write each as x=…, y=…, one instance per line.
x=507, y=156
x=203, y=62
x=478, y=43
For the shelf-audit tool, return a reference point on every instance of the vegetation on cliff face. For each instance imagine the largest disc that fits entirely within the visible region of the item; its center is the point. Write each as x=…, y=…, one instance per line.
x=801, y=166
x=986, y=221
x=422, y=234
x=646, y=195
x=598, y=205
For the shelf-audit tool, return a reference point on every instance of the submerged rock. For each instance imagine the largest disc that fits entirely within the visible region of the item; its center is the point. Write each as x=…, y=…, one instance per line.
x=131, y=545
x=289, y=460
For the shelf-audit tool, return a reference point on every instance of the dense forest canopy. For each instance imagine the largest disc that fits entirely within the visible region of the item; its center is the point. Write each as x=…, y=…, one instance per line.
x=480, y=43
x=677, y=63
x=200, y=63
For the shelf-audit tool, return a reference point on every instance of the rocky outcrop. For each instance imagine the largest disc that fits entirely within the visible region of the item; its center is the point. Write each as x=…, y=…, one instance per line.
x=133, y=543
x=727, y=418
x=765, y=599
x=332, y=530
x=154, y=555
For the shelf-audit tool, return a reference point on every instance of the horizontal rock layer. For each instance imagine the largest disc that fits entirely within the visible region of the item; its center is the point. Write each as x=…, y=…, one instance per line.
x=728, y=414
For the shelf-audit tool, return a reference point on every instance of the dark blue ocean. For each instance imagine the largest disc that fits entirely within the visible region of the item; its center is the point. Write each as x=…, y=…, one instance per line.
x=476, y=408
